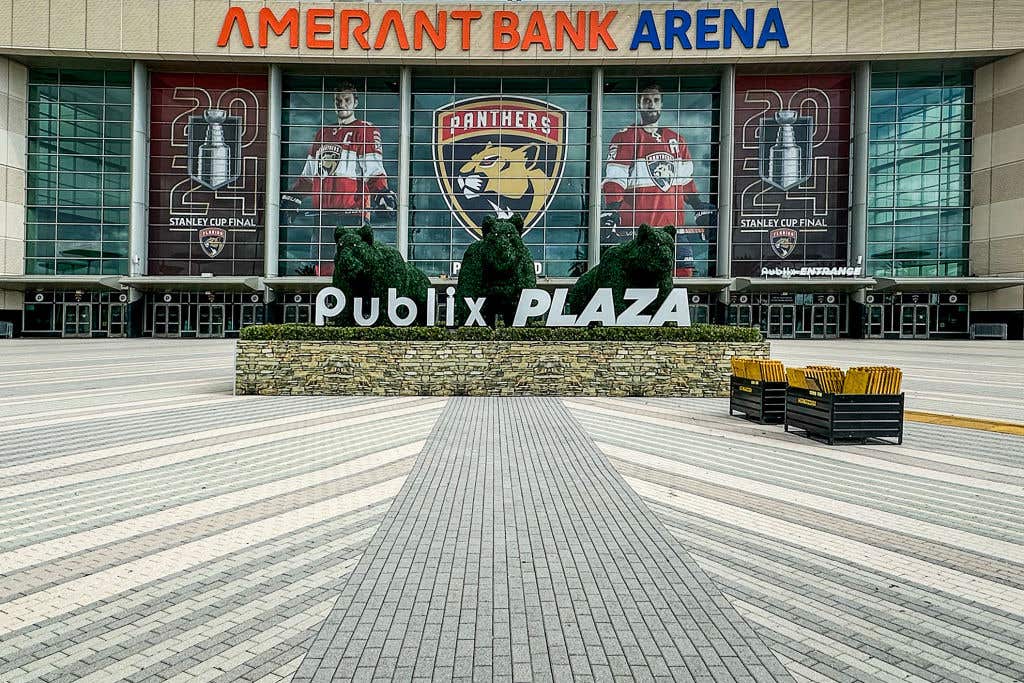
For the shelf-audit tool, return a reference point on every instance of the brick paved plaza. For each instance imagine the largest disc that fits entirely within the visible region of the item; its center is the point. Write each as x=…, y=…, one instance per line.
x=155, y=527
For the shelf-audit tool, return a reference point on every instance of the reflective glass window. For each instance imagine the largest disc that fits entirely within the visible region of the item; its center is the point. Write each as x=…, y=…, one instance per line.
x=73, y=226
x=919, y=173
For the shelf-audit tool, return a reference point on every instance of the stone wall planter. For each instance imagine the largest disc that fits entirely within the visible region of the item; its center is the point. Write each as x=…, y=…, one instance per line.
x=491, y=368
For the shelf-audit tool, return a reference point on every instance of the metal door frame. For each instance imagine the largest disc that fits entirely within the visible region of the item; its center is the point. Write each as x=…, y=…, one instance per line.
x=914, y=324
x=249, y=307
x=825, y=310
x=735, y=314
x=881, y=321
x=76, y=306
x=124, y=320
x=167, y=324
x=297, y=308
x=781, y=324
x=199, y=322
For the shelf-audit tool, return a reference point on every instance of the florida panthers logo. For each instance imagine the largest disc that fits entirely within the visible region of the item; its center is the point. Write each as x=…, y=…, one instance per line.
x=212, y=240
x=499, y=157
x=783, y=241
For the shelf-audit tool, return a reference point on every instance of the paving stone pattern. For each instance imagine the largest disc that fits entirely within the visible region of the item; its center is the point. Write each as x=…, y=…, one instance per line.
x=514, y=551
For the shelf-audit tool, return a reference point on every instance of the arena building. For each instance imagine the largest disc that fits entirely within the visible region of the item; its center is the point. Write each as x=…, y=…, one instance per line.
x=833, y=167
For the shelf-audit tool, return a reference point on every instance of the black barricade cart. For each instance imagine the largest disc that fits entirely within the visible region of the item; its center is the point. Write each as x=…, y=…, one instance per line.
x=760, y=401
x=840, y=417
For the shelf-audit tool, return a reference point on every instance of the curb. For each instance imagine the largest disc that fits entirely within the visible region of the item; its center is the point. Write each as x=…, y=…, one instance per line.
x=1015, y=428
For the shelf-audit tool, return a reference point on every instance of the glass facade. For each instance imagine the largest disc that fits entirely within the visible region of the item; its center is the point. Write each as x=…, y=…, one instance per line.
x=339, y=165
x=919, y=174
x=78, y=179
x=486, y=145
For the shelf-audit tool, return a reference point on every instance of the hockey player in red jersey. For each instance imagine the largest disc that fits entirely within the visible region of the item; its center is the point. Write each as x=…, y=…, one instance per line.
x=344, y=169
x=649, y=180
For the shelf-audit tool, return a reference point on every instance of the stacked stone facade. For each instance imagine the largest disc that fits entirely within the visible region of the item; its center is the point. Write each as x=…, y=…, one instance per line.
x=364, y=368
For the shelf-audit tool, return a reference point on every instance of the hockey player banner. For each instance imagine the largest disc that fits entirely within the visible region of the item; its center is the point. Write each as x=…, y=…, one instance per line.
x=499, y=157
x=339, y=162
x=658, y=165
x=791, y=173
x=208, y=145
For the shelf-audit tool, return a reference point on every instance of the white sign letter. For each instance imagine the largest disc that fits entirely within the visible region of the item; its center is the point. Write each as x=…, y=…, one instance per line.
x=600, y=309
x=394, y=302
x=324, y=311
x=556, y=318
x=357, y=311
x=532, y=302
x=641, y=298
x=676, y=309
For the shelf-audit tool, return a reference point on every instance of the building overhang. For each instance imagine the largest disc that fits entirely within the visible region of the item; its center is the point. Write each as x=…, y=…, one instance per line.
x=193, y=283
x=91, y=282
x=794, y=284
x=703, y=284
x=297, y=283
x=947, y=284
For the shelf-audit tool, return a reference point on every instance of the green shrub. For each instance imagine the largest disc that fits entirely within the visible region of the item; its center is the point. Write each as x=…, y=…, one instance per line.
x=696, y=333
x=498, y=267
x=644, y=262
x=367, y=269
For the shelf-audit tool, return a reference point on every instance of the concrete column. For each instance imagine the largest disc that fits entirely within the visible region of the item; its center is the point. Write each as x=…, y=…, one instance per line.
x=272, y=203
x=138, y=245
x=404, y=158
x=726, y=148
x=596, y=158
x=859, y=165
x=859, y=192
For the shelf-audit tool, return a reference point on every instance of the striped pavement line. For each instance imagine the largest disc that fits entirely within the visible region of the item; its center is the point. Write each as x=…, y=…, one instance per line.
x=102, y=409
x=215, y=433
x=899, y=491
x=108, y=414
x=109, y=377
x=148, y=387
x=113, y=533
x=852, y=563
x=1013, y=552
x=34, y=608
x=177, y=457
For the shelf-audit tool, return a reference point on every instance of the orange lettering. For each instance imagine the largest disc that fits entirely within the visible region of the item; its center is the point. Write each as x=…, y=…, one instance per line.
x=289, y=21
x=359, y=32
x=506, y=37
x=235, y=17
x=536, y=32
x=467, y=17
x=600, y=30
x=421, y=24
x=315, y=28
x=577, y=33
x=392, y=20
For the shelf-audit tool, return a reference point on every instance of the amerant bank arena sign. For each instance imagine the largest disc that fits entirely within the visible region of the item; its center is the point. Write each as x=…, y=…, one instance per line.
x=533, y=303
x=329, y=28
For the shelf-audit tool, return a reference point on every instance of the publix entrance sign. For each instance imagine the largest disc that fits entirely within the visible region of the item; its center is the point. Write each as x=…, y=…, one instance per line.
x=533, y=304
x=460, y=29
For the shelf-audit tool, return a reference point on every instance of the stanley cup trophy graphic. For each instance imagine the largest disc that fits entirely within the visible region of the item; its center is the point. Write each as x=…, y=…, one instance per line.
x=786, y=149
x=214, y=154
x=214, y=148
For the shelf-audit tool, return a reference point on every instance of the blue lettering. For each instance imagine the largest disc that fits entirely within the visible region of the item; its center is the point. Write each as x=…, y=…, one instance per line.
x=704, y=29
x=676, y=31
x=743, y=31
x=773, y=29
x=646, y=32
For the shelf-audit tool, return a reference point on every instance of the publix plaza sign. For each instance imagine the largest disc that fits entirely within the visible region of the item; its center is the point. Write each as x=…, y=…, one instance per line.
x=340, y=28
x=533, y=303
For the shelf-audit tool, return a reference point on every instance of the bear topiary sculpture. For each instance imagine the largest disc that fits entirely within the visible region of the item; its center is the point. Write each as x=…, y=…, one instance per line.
x=363, y=268
x=644, y=262
x=498, y=267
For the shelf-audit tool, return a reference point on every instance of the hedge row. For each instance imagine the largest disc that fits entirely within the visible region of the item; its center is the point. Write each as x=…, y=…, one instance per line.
x=696, y=333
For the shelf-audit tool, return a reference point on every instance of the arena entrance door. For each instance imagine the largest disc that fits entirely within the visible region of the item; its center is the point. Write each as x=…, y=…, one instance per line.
x=824, y=321
x=166, y=320
x=781, y=321
x=874, y=326
x=211, y=321
x=914, y=321
x=116, y=322
x=77, y=320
